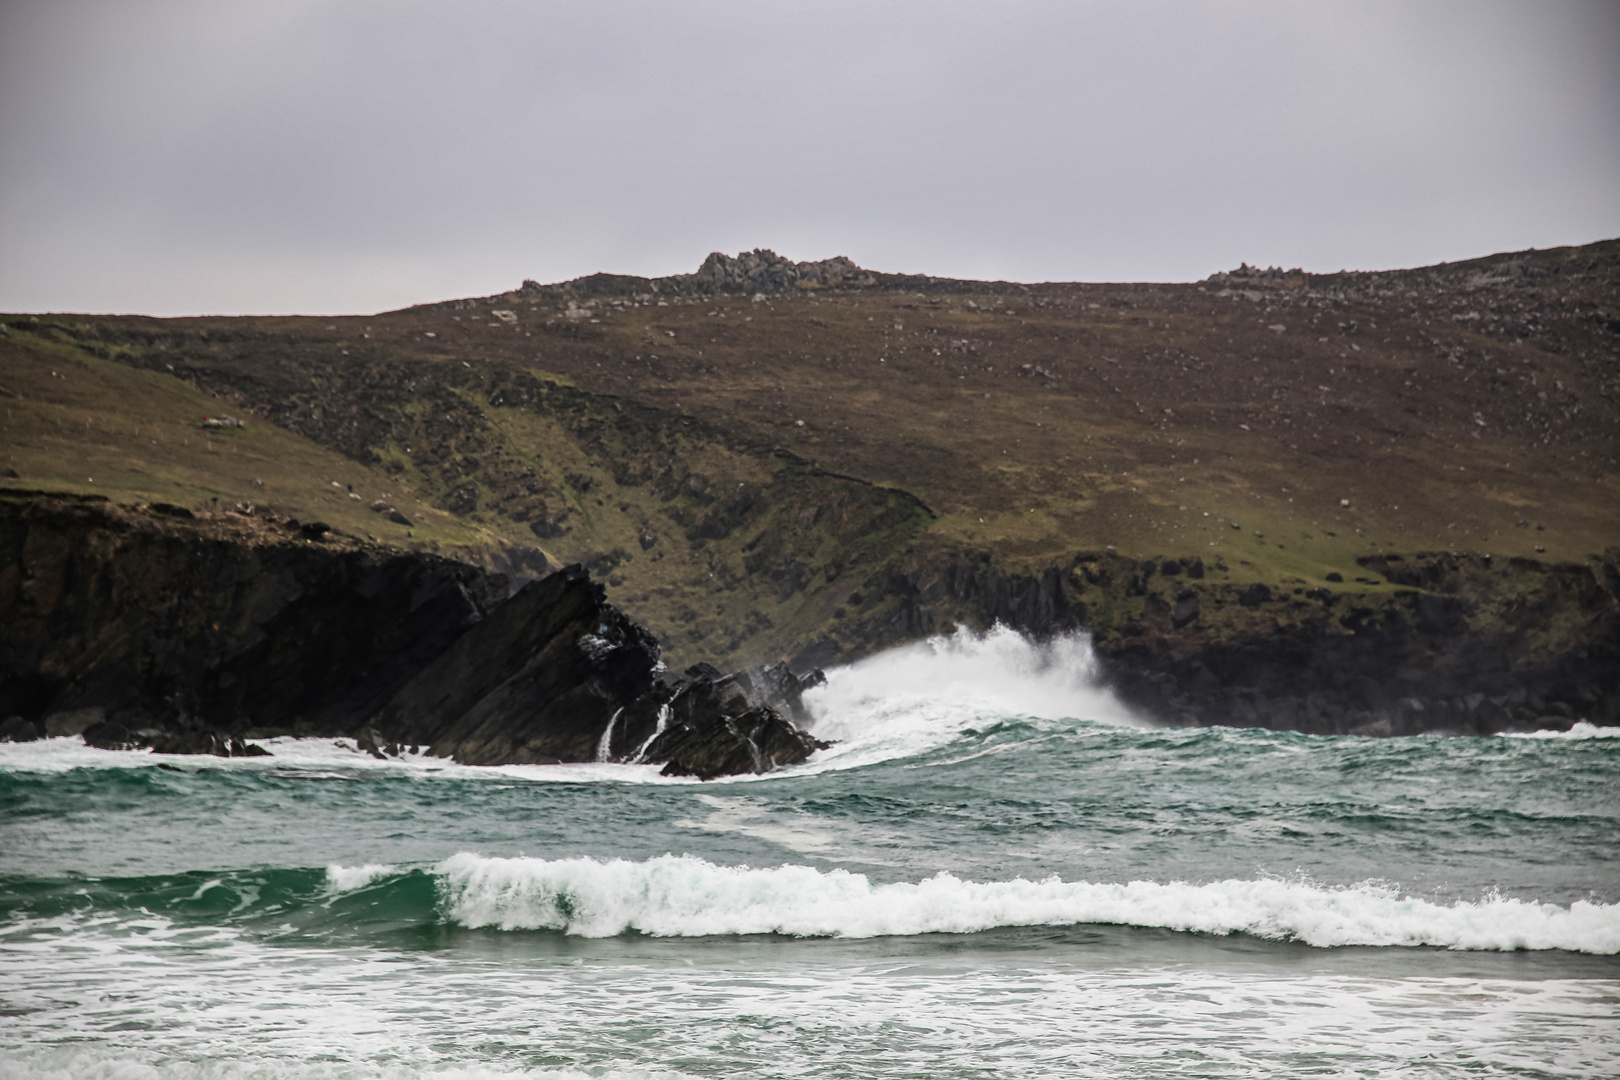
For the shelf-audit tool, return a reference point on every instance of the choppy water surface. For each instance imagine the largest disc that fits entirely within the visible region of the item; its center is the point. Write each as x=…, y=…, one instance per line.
x=996, y=872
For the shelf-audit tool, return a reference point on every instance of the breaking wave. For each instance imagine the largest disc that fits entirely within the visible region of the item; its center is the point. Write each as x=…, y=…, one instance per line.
x=901, y=703
x=916, y=698
x=684, y=896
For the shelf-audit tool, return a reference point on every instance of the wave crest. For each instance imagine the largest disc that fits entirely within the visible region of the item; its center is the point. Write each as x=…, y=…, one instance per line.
x=684, y=896
x=342, y=879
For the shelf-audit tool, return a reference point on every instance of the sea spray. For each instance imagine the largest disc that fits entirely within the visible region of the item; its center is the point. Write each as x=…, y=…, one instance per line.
x=684, y=896
x=918, y=697
x=342, y=879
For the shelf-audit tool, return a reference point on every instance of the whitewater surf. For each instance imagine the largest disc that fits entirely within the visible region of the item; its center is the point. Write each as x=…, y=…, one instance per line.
x=996, y=870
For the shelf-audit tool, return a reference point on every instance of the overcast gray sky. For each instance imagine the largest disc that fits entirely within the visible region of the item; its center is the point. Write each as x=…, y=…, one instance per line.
x=190, y=156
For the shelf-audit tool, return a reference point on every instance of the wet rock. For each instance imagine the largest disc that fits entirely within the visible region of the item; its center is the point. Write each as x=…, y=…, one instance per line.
x=131, y=629
x=776, y=686
x=757, y=741
x=537, y=681
x=204, y=742
x=718, y=725
x=73, y=721
x=369, y=741
x=558, y=675
x=16, y=729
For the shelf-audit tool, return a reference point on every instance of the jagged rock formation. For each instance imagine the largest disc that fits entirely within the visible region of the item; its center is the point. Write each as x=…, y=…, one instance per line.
x=706, y=724
x=764, y=271
x=191, y=634
x=757, y=271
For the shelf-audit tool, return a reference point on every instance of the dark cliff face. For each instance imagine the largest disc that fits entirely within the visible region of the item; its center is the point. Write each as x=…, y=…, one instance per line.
x=1439, y=641
x=192, y=634
x=146, y=627
x=556, y=653
x=140, y=624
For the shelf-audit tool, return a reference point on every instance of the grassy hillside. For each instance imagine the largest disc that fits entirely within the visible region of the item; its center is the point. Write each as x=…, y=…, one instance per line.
x=738, y=465
x=78, y=423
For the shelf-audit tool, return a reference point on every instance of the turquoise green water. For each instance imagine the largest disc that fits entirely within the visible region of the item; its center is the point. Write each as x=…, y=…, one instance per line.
x=994, y=873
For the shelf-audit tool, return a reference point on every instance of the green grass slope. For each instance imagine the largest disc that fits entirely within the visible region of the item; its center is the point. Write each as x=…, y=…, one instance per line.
x=74, y=422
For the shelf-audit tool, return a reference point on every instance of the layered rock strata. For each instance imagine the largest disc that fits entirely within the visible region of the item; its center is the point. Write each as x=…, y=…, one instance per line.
x=154, y=627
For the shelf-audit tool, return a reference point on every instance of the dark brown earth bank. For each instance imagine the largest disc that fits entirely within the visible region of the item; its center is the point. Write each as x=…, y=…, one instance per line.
x=195, y=632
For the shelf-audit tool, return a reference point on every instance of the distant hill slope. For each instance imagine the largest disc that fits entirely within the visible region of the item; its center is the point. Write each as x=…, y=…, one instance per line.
x=768, y=458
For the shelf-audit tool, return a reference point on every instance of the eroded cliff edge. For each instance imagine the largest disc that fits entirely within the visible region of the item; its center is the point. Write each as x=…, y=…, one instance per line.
x=1446, y=641
x=200, y=632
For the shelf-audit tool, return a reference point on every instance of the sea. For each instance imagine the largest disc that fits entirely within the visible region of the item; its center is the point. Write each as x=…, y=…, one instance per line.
x=995, y=871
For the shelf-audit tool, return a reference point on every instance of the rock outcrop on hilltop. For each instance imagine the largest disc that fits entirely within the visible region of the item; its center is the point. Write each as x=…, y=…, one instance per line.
x=759, y=271
x=198, y=634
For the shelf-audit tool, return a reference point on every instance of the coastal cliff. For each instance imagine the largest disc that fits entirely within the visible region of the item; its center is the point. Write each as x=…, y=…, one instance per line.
x=1438, y=641
x=196, y=632
x=1377, y=503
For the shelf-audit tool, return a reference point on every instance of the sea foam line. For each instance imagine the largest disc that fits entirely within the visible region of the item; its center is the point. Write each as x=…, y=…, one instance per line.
x=684, y=896
x=1581, y=729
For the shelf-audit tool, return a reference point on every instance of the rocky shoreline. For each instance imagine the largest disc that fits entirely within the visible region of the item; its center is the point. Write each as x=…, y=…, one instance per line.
x=200, y=632
x=1445, y=642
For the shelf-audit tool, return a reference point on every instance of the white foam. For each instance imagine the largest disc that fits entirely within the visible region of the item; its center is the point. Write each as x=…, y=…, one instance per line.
x=1579, y=730
x=342, y=879
x=81, y=1064
x=311, y=757
x=682, y=896
x=917, y=698
x=900, y=703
